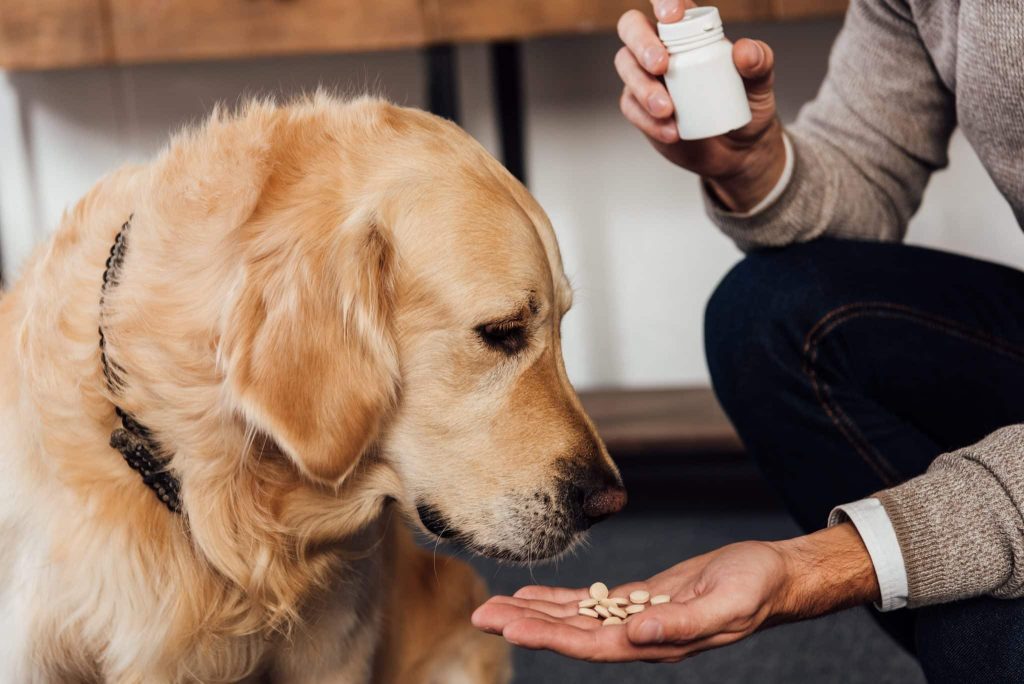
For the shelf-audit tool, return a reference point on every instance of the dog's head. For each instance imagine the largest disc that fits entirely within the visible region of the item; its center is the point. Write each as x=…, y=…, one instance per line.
x=488, y=436
x=398, y=298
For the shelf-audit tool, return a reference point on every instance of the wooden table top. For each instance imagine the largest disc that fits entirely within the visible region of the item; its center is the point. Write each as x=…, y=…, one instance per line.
x=46, y=34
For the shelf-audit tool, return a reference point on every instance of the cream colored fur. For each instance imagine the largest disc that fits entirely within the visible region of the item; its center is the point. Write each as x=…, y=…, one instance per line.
x=296, y=321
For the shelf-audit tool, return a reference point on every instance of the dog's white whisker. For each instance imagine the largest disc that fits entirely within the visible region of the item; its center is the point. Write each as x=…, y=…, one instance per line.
x=436, y=542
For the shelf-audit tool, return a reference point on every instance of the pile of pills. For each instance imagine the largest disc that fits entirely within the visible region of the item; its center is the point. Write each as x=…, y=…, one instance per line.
x=616, y=610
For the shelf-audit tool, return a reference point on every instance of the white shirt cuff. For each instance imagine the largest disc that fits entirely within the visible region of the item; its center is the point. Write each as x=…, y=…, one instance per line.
x=879, y=537
x=780, y=185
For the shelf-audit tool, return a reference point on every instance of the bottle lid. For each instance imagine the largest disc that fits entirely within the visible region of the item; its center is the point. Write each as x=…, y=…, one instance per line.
x=694, y=24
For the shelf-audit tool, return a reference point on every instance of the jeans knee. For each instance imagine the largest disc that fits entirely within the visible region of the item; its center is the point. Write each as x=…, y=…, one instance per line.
x=756, y=321
x=746, y=323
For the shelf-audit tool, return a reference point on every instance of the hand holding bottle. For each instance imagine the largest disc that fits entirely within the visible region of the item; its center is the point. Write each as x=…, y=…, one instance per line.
x=742, y=166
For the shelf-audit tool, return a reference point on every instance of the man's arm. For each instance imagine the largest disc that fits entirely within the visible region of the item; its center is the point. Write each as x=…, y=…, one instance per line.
x=717, y=599
x=866, y=146
x=829, y=570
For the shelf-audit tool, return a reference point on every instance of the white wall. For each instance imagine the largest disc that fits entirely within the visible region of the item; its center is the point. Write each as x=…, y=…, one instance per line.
x=634, y=238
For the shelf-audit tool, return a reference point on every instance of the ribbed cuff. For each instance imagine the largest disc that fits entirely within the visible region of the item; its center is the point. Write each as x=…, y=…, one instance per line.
x=951, y=545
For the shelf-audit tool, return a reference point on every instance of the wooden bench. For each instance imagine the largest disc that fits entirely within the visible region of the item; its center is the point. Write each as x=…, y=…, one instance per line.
x=678, y=452
x=661, y=421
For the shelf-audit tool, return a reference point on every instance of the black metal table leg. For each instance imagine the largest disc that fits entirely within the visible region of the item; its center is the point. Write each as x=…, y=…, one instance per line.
x=443, y=97
x=508, y=102
x=442, y=82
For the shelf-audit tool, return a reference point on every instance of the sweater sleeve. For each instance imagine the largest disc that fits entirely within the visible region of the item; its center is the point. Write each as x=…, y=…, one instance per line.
x=960, y=526
x=866, y=146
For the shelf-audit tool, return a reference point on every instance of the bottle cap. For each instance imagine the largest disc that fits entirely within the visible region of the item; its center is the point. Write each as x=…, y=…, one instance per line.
x=694, y=24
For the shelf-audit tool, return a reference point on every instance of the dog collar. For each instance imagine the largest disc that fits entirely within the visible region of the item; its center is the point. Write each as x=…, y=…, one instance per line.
x=133, y=439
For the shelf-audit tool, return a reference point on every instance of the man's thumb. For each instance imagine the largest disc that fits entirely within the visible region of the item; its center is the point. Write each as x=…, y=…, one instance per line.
x=665, y=624
x=756, y=63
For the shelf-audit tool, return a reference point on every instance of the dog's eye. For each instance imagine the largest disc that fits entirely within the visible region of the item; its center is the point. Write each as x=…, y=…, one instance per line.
x=506, y=336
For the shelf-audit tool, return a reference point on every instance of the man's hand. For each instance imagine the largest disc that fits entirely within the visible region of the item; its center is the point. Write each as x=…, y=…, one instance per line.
x=717, y=599
x=743, y=166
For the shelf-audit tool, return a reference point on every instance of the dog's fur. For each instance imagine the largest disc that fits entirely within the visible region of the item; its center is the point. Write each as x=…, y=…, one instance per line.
x=298, y=320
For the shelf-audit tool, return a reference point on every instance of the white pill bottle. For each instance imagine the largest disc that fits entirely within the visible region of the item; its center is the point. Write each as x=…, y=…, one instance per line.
x=706, y=89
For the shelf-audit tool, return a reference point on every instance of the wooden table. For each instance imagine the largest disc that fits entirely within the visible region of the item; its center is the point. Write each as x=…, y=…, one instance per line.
x=46, y=34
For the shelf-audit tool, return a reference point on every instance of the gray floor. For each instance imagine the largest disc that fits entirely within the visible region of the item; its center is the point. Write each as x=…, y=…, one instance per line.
x=846, y=647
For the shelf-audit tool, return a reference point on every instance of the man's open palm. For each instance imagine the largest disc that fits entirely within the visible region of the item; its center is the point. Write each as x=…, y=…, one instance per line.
x=717, y=598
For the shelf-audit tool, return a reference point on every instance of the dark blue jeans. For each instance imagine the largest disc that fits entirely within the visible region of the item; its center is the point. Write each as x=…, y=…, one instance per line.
x=846, y=368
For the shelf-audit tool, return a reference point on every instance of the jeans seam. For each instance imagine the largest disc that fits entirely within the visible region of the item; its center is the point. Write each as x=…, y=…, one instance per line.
x=836, y=317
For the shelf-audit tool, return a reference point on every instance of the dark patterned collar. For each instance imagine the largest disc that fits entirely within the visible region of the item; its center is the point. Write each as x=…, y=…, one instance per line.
x=135, y=441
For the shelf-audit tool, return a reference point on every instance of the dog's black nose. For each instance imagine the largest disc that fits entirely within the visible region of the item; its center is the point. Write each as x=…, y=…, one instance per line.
x=594, y=490
x=602, y=502
x=599, y=494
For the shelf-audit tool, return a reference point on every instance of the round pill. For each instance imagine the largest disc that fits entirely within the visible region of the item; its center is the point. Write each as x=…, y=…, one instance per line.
x=617, y=612
x=639, y=596
x=598, y=590
x=660, y=598
x=588, y=603
x=602, y=611
x=588, y=612
x=634, y=609
x=612, y=621
x=619, y=601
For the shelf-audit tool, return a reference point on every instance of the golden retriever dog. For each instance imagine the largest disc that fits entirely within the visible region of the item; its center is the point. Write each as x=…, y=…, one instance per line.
x=236, y=376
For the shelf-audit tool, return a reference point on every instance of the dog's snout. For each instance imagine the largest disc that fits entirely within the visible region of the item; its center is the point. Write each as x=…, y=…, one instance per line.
x=599, y=493
x=600, y=503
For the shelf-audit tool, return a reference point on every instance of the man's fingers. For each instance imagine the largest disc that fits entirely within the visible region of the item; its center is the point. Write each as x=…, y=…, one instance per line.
x=603, y=644
x=558, y=610
x=639, y=36
x=553, y=594
x=645, y=88
x=661, y=130
x=559, y=637
x=678, y=623
x=755, y=61
x=669, y=11
x=492, y=617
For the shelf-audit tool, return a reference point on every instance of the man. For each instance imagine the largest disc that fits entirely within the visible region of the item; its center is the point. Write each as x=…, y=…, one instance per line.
x=877, y=385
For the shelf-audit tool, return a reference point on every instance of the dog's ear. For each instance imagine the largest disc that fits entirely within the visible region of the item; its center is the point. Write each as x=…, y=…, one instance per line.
x=213, y=175
x=308, y=350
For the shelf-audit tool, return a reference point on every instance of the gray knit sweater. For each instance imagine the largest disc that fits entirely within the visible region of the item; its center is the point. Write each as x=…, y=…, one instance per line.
x=902, y=75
